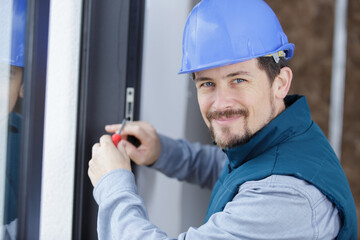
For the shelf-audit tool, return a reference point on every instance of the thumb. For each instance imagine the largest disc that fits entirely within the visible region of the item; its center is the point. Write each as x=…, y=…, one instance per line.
x=131, y=150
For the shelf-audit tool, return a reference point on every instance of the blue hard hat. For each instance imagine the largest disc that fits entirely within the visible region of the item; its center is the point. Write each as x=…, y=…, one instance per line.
x=18, y=33
x=14, y=54
x=224, y=32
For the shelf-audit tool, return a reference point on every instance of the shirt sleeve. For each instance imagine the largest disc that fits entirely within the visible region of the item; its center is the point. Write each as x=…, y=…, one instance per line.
x=265, y=209
x=191, y=162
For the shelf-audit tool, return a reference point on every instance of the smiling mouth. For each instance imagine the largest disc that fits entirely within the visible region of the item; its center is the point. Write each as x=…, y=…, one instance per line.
x=226, y=120
x=227, y=117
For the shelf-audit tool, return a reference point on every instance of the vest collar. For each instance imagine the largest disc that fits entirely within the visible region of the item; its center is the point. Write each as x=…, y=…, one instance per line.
x=294, y=120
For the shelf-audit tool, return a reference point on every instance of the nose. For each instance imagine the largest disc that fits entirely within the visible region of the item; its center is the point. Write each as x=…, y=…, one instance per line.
x=222, y=98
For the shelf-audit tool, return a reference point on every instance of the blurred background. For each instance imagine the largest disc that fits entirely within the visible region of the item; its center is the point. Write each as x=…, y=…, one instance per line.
x=309, y=24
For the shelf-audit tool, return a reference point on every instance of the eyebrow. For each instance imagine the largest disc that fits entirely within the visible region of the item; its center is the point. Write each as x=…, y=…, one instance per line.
x=201, y=79
x=227, y=76
x=238, y=73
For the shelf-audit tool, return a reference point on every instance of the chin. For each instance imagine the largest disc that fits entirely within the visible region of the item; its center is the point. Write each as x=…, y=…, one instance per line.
x=230, y=140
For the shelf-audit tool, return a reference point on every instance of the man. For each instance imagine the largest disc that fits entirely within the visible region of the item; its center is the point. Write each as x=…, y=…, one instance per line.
x=11, y=70
x=280, y=178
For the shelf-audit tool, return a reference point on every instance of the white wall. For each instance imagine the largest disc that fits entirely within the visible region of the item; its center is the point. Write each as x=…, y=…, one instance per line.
x=164, y=103
x=60, y=119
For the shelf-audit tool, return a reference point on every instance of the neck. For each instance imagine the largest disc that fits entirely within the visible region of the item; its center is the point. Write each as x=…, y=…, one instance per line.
x=280, y=107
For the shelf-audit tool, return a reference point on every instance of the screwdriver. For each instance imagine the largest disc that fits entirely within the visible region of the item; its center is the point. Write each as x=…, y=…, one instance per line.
x=116, y=138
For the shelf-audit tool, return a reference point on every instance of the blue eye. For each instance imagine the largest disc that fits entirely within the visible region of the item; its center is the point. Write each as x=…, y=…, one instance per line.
x=238, y=80
x=208, y=84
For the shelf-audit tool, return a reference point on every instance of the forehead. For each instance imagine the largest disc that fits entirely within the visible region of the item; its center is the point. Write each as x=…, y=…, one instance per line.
x=249, y=68
x=10, y=72
x=8, y=67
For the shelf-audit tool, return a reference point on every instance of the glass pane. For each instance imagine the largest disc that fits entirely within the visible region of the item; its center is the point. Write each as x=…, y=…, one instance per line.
x=12, y=45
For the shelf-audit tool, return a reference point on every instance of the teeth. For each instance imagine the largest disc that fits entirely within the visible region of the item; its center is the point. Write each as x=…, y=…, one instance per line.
x=225, y=118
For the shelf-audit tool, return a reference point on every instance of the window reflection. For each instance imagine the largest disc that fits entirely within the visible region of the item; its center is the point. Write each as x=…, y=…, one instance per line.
x=11, y=77
x=13, y=152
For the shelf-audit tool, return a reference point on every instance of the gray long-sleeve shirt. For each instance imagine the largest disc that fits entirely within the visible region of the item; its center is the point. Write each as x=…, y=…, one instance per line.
x=277, y=207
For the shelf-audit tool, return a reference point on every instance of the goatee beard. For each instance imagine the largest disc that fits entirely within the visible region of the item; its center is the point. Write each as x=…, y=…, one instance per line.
x=231, y=140
x=234, y=140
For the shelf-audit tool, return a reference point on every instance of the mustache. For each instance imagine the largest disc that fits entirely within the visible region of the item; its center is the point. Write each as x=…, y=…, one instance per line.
x=227, y=113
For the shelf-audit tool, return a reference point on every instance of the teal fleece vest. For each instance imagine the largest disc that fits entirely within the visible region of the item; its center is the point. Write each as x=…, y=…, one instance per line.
x=291, y=144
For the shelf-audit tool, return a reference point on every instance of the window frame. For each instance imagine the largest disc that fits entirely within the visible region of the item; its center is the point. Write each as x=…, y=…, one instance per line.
x=31, y=149
x=102, y=88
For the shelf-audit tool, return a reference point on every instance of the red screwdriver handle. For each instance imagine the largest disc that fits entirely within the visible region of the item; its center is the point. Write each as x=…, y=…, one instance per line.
x=116, y=138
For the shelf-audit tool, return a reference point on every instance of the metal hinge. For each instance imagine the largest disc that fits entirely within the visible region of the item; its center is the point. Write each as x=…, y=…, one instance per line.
x=129, y=107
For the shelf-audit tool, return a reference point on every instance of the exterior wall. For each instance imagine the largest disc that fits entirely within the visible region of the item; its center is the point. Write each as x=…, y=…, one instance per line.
x=351, y=135
x=60, y=120
x=163, y=98
x=169, y=103
x=309, y=24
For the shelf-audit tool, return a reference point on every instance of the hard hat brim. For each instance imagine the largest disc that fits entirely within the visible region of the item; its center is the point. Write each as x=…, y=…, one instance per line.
x=287, y=48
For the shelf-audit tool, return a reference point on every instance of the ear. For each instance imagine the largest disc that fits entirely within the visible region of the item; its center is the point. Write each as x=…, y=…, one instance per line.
x=282, y=83
x=21, y=91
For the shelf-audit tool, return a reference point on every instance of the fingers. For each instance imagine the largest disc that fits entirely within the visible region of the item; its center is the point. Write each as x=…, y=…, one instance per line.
x=105, y=139
x=95, y=147
x=106, y=158
x=141, y=130
x=149, y=150
x=112, y=128
x=130, y=150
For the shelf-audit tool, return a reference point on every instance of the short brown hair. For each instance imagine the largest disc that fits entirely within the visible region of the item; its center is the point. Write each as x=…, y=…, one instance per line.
x=269, y=65
x=271, y=68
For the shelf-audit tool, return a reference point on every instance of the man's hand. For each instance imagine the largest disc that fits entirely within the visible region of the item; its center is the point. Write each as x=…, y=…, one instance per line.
x=105, y=158
x=149, y=150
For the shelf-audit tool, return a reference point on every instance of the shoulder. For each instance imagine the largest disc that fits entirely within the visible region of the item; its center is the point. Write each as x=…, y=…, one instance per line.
x=288, y=185
x=278, y=201
x=14, y=124
x=286, y=189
